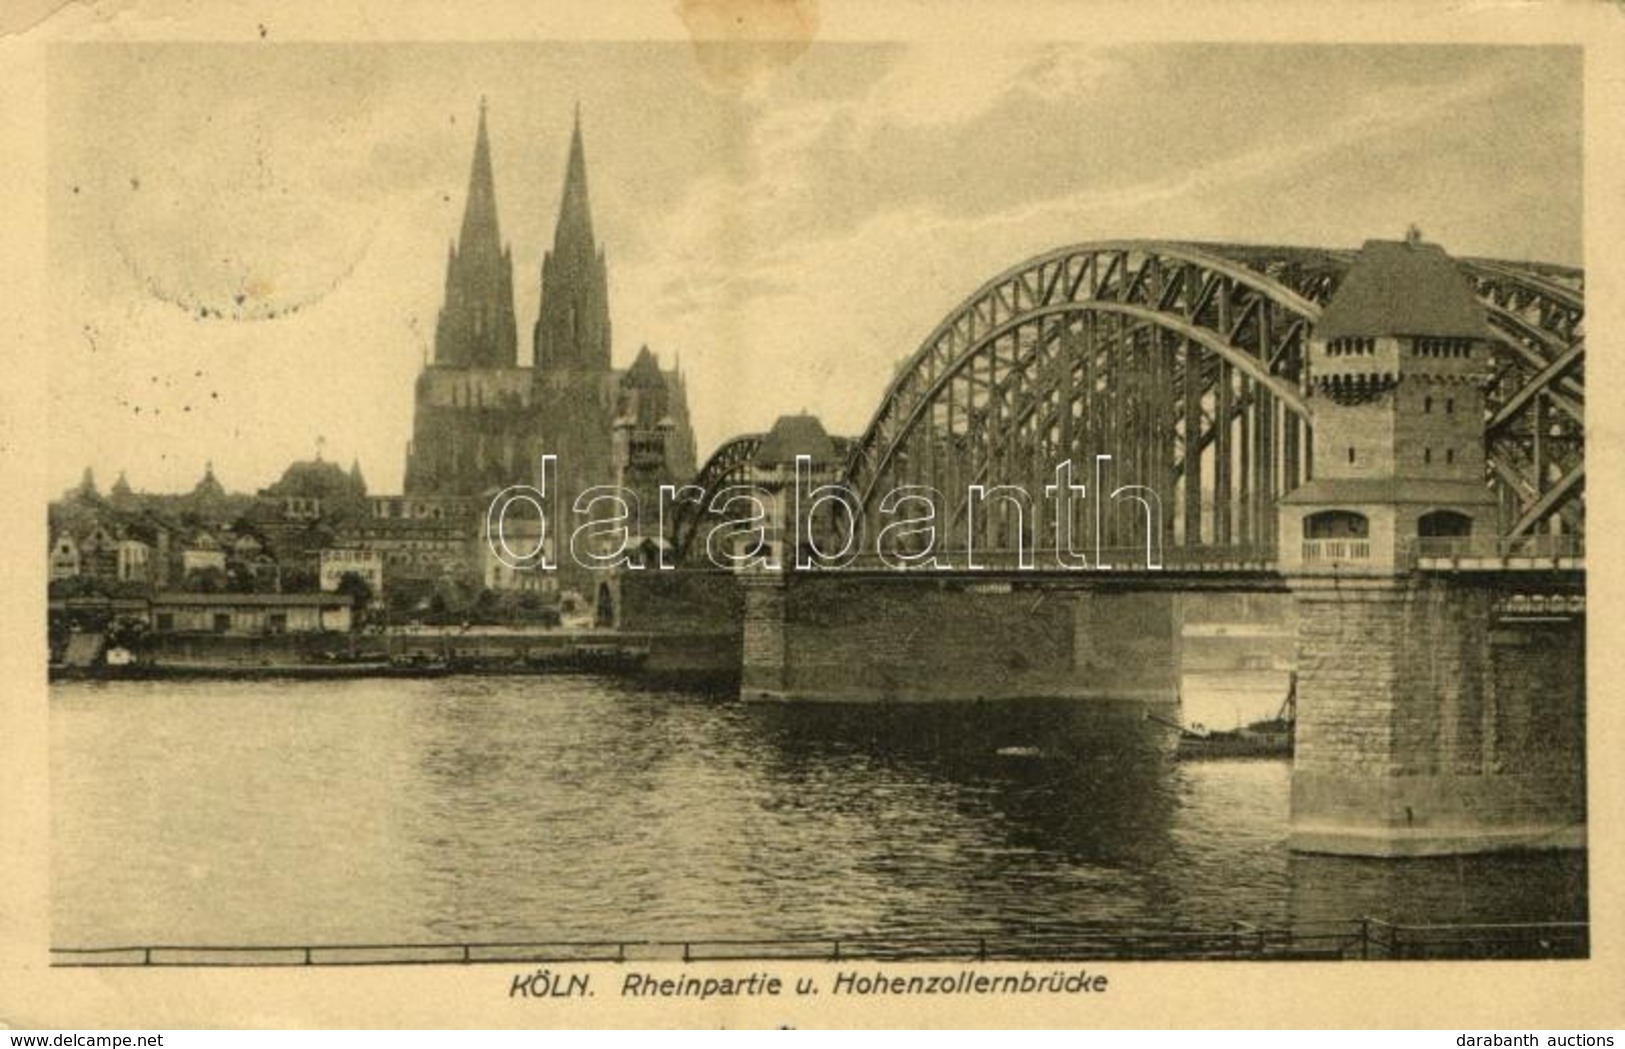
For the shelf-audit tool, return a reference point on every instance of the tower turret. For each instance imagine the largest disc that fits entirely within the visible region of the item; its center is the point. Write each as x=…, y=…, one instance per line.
x=1397, y=367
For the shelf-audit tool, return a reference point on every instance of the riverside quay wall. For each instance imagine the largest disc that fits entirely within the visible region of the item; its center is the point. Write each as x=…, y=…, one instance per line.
x=694, y=620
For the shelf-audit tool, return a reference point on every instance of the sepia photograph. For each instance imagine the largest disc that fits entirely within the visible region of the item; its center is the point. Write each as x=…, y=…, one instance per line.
x=692, y=522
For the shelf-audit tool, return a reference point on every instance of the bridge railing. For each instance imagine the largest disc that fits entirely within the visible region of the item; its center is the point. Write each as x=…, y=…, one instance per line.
x=1234, y=557
x=1540, y=547
x=1332, y=551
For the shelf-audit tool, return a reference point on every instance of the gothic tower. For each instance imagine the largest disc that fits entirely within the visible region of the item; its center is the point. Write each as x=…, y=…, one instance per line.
x=575, y=385
x=572, y=329
x=654, y=443
x=482, y=422
x=476, y=326
x=474, y=427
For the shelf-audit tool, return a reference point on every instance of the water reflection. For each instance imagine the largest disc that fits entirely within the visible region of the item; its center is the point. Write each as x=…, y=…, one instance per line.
x=1502, y=887
x=1056, y=777
x=574, y=808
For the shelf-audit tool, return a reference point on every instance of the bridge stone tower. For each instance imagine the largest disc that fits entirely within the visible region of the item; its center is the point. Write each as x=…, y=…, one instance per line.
x=1397, y=364
x=1429, y=721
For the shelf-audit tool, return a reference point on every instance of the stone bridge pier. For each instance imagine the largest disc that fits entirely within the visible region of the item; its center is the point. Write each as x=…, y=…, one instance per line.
x=1441, y=645
x=1437, y=714
x=915, y=637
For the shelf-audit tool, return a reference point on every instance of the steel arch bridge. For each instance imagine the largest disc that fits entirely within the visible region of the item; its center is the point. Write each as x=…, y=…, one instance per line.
x=1185, y=362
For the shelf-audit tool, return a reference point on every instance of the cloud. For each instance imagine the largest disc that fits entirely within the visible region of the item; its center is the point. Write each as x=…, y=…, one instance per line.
x=937, y=85
x=787, y=286
x=744, y=229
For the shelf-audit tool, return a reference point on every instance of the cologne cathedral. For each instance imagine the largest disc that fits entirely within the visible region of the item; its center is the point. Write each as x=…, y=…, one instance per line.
x=483, y=422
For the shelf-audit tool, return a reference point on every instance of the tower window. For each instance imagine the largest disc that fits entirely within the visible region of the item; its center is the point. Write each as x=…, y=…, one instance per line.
x=1351, y=453
x=1336, y=524
x=1450, y=406
x=1427, y=455
x=1427, y=404
x=1450, y=455
x=1441, y=347
x=1444, y=524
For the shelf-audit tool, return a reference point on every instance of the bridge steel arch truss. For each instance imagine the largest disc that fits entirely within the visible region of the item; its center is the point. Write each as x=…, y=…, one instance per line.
x=1186, y=364
x=728, y=465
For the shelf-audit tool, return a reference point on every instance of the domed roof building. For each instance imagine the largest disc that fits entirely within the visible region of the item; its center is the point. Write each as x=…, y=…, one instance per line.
x=317, y=479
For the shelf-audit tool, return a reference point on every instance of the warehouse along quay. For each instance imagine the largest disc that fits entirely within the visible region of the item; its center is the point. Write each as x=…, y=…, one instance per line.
x=824, y=524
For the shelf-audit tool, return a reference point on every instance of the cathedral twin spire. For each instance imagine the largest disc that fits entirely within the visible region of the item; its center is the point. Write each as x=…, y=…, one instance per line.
x=477, y=327
x=574, y=229
x=572, y=327
x=480, y=231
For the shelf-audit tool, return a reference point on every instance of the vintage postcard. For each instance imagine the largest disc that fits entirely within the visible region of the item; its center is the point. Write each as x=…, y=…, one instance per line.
x=780, y=514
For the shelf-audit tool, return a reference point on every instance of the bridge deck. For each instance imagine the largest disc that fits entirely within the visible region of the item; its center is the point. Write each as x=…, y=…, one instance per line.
x=1470, y=554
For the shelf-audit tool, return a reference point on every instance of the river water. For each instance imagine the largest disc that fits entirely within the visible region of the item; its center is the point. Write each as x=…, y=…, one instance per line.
x=576, y=808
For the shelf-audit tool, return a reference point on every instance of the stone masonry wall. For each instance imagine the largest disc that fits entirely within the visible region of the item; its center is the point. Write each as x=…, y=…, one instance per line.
x=1424, y=725
x=694, y=619
x=764, y=642
x=911, y=638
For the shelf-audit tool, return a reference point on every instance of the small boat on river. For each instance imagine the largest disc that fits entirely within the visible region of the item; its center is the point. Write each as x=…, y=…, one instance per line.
x=1270, y=738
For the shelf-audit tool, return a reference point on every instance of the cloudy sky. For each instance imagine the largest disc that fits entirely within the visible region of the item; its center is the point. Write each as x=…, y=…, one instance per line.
x=248, y=241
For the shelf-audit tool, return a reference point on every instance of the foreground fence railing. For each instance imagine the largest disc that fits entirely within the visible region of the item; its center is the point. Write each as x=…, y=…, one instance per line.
x=1362, y=938
x=1380, y=939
